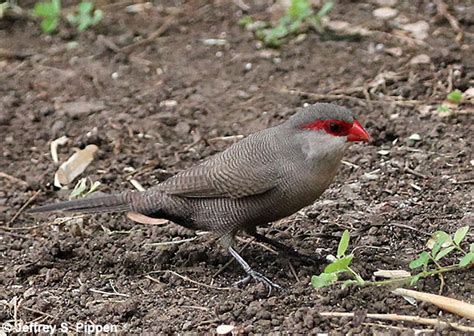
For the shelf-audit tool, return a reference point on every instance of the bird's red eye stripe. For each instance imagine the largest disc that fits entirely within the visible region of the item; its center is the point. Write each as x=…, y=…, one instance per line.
x=334, y=127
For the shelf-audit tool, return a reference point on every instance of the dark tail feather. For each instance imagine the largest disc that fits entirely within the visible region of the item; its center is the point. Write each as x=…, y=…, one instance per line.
x=100, y=204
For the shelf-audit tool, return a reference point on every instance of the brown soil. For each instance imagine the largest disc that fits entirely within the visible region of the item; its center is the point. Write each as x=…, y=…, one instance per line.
x=390, y=203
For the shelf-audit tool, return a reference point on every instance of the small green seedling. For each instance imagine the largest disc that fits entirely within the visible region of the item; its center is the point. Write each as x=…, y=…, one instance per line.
x=455, y=97
x=298, y=18
x=86, y=16
x=339, y=264
x=50, y=12
x=443, y=109
x=4, y=7
x=80, y=190
x=441, y=245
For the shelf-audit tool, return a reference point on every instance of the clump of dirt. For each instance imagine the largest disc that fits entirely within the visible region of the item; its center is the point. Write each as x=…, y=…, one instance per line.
x=166, y=104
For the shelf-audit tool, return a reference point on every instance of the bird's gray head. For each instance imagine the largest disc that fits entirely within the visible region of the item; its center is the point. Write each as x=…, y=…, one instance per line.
x=329, y=121
x=323, y=132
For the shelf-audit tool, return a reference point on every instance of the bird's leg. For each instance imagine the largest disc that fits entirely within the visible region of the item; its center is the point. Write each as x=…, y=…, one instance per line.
x=251, y=274
x=282, y=248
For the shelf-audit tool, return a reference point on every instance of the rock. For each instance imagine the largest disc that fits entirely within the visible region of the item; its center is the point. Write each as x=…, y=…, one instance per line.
x=187, y=325
x=469, y=93
x=79, y=108
x=224, y=329
x=168, y=103
x=385, y=13
x=58, y=127
x=182, y=128
x=396, y=51
x=420, y=59
x=268, y=54
x=419, y=29
x=386, y=3
x=243, y=95
x=29, y=292
x=214, y=42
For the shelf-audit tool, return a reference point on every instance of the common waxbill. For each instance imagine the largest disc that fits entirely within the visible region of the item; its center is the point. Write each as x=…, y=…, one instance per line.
x=267, y=176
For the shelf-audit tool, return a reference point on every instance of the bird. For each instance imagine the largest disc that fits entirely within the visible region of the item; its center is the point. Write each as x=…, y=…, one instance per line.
x=266, y=176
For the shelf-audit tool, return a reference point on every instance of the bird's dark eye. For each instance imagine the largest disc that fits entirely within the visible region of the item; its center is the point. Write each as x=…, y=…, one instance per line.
x=335, y=128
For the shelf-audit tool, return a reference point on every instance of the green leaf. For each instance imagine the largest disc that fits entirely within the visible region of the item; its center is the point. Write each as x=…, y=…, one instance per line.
x=467, y=259
x=294, y=26
x=43, y=9
x=98, y=15
x=245, y=21
x=84, y=23
x=443, y=109
x=79, y=188
x=422, y=260
x=278, y=32
x=85, y=7
x=460, y=234
x=323, y=280
x=435, y=249
x=56, y=6
x=4, y=6
x=49, y=24
x=471, y=247
x=455, y=96
x=443, y=238
x=327, y=7
x=299, y=9
x=94, y=187
x=339, y=265
x=343, y=244
x=444, y=252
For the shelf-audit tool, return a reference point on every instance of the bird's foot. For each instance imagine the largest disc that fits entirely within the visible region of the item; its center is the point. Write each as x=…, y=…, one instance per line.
x=289, y=252
x=304, y=258
x=259, y=278
x=251, y=274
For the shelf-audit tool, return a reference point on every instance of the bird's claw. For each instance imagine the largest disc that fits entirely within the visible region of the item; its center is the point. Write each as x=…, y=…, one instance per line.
x=259, y=278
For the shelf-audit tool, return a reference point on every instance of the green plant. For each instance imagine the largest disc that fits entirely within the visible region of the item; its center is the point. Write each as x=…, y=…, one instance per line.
x=339, y=264
x=455, y=97
x=452, y=99
x=4, y=6
x=297, y=18
x=80, y=189
x=50, y=12
x=441, y=245
x=86, y=16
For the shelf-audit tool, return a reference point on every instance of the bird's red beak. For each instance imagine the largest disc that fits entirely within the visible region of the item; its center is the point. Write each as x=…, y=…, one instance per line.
x=357, y=133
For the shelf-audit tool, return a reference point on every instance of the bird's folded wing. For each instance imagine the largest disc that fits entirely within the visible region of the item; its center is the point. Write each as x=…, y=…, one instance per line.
x=225, y=175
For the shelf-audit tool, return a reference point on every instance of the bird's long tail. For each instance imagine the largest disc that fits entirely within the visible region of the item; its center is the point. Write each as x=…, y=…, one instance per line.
x=100, y=204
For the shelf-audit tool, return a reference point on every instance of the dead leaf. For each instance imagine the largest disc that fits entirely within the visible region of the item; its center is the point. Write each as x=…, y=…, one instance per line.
x=74, y=166
x=143, y=219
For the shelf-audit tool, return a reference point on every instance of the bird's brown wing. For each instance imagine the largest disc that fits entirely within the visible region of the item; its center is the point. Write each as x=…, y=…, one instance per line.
x=240, y=171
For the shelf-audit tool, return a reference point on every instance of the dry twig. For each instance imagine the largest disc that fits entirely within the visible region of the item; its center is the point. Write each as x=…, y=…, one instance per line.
x=454, y=306
x=157, y=33
x=23, y=207
x=186, y=279
x=443, y=11
x=405, y=318
x=13, y=179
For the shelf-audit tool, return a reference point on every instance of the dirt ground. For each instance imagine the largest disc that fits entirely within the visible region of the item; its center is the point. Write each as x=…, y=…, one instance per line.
x=159, y=107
